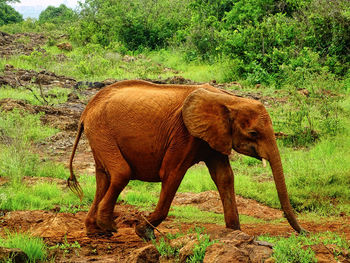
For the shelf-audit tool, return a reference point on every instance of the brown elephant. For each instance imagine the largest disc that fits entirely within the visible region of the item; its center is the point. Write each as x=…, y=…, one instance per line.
x=143, y=131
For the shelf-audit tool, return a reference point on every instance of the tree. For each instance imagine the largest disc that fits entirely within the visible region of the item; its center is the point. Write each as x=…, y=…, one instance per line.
x=8, y=14
x=59, y=14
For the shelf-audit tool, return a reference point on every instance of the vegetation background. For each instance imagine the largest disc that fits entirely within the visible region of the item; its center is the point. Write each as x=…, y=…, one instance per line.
x=296, y=52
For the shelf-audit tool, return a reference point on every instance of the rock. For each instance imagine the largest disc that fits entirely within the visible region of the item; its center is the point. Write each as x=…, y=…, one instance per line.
x=187, y=251
x=65, y=46
x=182, y=241
x=258, y=253
x=237, y=246
x=147, y=254
x=220, y=252
x=127, y=58
x=15, y=254
x=304, y=92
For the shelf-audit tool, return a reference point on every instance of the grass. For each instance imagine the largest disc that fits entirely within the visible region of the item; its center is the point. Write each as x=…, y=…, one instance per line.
x=20, y=130
x=89, y=63
x=198, y=71
x=33, y=247
x=171, y=251
x=24, y=127
x=45, y=196
x=298, y=248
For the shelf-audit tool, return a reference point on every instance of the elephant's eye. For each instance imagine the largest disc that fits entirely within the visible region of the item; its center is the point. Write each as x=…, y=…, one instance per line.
x=253, y=134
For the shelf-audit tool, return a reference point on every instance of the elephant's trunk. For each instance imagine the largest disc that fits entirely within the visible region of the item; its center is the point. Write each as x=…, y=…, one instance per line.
x=277, y=171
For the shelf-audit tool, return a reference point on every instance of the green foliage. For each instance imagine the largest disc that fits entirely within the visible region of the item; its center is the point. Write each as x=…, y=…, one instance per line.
x=270, y=42
x=165, y=249
x=34, y=247
x=200, y=248
x=290, y=250
x=67, y=247
x=137, y=25
x=8, y=15
x=168, y=250
x=58, y=15
x=196, y=180
x=24, y=127
x=298, y=248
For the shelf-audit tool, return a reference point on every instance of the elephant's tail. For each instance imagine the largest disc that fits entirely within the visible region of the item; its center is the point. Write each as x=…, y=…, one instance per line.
x=72, y=181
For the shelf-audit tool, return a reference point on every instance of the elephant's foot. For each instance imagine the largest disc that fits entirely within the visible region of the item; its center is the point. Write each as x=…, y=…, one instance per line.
x=107, y=226
x=93, y=231
x=145, y=232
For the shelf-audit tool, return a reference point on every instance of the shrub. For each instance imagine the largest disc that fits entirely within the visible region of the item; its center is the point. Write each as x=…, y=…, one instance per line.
x=8, y=15
x=56, y=15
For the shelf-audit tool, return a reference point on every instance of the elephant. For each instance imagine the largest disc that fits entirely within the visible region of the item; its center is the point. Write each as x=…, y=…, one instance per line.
x=139, y=130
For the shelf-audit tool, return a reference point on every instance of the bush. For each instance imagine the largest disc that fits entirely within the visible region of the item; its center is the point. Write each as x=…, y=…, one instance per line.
x=135, y=24
x=8, y=15
x=56, y=15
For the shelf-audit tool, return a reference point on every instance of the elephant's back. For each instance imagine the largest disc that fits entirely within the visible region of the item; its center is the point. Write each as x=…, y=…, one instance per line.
x=138, y=119
x=137, y=95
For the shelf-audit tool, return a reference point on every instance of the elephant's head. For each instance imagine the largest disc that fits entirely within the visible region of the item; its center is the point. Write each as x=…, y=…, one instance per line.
x=225, y=121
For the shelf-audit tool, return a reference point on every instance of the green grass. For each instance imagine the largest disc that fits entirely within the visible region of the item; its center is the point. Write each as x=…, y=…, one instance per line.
x=24, y=127
x=89, y=63
x=20, y=130
x=198, y=71
x=298, y=248
x=33, y=247
x=171, y=251
x=16, y=195
x=17, y=162
x=196, y=180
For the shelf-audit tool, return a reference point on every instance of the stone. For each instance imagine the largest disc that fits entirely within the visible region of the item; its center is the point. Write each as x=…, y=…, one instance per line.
x=237, y=246
x=65, y=46
x=187, y=251
x=147, y=254
x=224, y=252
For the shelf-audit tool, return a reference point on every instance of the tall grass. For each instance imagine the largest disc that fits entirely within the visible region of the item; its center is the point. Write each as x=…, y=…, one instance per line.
x=44, y=196
x=24, y=127
x=33, y=247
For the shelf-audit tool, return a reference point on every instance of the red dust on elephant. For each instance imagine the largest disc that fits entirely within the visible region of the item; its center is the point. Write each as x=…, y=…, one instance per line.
x=150, y=132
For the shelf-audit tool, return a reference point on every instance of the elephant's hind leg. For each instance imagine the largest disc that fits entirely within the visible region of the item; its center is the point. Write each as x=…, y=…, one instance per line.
x=120, y=174
x=102, y=185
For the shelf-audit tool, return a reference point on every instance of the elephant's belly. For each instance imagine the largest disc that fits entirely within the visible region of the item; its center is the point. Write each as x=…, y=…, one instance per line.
x=144, y=160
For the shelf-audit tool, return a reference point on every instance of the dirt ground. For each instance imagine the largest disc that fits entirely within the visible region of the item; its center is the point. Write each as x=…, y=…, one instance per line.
x=63, y=228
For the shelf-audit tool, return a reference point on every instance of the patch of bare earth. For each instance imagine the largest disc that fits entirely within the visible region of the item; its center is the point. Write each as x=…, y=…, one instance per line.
x=210, y=201
x=20, y=43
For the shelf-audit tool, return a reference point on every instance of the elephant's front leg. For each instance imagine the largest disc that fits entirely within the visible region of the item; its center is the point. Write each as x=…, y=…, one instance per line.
x=221, y=173
x=145, y=230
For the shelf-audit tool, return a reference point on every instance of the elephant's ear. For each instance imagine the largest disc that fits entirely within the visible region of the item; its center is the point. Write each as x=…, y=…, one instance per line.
x=206, y=116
